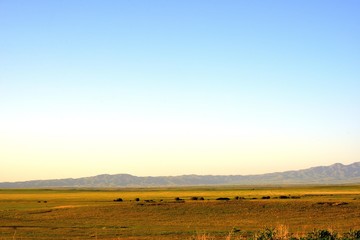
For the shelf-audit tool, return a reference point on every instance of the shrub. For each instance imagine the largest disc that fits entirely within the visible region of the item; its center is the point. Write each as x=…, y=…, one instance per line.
x=118, y=200
x=238, y=198
x=322, y=235
x=266, y=234
x=284, y=197
x=352, y=234
x=265, y=197
x=223, y=199
x=197, y=198
x=137, y=199
x=279, y=233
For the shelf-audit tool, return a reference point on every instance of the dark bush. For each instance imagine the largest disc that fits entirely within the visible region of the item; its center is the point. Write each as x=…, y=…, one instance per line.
x=265, y=197
x=137, y=199
x=118, y=200
x=284, y=197
x=178, y=199
x=223, y=199
x=197, y=198
x=238, y=198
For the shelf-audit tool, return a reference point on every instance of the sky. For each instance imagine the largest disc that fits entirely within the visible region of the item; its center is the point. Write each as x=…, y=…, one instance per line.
x=159, y=88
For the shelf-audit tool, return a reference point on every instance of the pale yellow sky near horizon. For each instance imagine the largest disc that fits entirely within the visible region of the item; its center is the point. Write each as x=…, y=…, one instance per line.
x=53, y=147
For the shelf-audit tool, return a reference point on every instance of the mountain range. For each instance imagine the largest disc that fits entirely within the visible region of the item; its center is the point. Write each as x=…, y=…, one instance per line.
x=334, y=174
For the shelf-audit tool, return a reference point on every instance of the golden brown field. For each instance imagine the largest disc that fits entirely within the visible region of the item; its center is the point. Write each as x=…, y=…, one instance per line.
x=92, y=214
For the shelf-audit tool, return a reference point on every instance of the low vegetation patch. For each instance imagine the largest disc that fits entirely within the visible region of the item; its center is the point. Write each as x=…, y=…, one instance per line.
x=333, y=203
x=282, y=233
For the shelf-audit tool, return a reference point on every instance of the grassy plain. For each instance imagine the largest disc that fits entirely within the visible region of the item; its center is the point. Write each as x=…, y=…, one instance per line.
x=92, y=214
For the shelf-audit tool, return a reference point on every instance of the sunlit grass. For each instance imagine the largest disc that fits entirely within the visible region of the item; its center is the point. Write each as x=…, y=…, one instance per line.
x=90, y=214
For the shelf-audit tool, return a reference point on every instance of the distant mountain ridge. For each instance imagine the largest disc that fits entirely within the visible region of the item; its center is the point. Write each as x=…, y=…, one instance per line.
x=333, y=174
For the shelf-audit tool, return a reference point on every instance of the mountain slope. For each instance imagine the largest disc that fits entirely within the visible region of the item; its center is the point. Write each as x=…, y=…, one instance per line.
x=334, y=174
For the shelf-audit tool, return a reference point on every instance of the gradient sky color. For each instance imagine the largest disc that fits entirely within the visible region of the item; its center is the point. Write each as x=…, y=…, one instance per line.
x=177, y=87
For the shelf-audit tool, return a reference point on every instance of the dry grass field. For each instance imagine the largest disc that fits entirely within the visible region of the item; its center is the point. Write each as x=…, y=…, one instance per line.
x=92, y=214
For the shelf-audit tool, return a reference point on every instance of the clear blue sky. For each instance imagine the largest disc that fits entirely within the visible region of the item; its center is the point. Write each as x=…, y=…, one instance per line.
x=177, y=87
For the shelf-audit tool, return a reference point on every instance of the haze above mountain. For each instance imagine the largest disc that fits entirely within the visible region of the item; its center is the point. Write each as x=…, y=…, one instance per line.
x=334, y=174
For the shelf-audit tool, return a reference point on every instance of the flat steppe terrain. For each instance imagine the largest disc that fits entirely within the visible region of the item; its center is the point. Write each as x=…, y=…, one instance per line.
x=93, y=214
